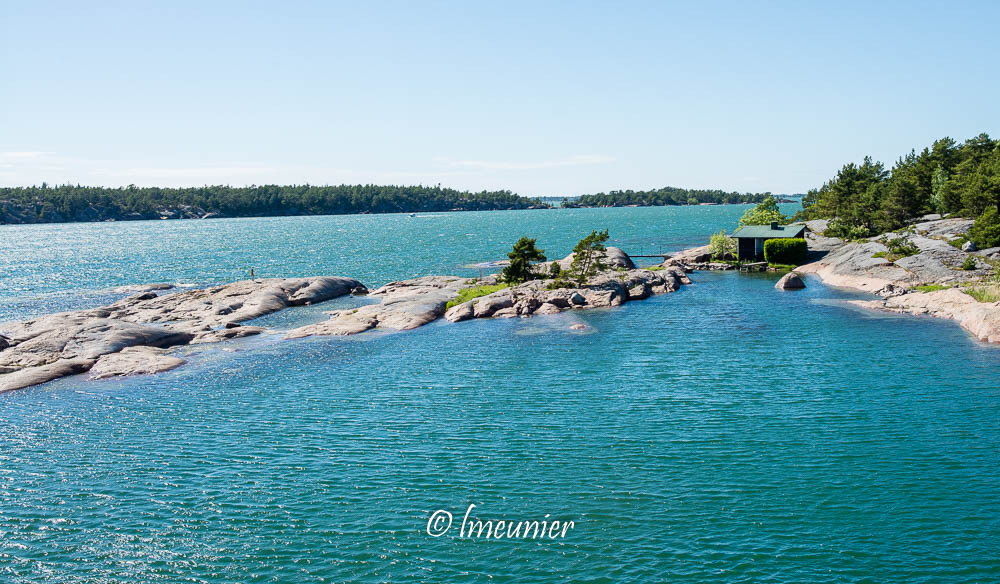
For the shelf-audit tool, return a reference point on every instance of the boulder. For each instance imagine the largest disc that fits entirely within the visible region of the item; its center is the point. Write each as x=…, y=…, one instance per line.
x=694, y=255
x=969, y=246
x=548, y=308
x=488, y=305
x=460, y=312
x=577, y=299
x=891, y=291
x=527, y=304
x=510, y=312
x=790, y=281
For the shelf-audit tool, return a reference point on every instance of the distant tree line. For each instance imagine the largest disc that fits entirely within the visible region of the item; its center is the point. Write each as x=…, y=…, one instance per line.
x=866, y=199
x=664, y=196
x=43, y=204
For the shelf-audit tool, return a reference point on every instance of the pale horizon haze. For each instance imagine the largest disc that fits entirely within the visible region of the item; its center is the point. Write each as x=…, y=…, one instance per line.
x=545, y=99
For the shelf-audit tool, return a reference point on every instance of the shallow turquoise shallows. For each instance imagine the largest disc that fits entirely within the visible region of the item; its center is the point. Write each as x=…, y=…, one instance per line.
x=725, y=433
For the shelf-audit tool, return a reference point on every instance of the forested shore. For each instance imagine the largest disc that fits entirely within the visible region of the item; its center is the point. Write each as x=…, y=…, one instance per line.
x=947, y=177
x=68, y=203
x=663, y=197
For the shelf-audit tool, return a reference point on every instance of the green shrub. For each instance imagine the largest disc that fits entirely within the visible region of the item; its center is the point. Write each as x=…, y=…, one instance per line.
x=654, y=268
x=969, y=263
x=931, y=288
x=899, y=247
x=958, y=242
x=467, y=294
x=559, y=283
x=722, y=246
x=554, y=270
x=846, y=231
x=785, y=251
x=985, y=231
x=880, y=254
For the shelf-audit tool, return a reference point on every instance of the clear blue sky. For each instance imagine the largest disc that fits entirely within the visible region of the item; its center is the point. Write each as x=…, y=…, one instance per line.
x=544, y=98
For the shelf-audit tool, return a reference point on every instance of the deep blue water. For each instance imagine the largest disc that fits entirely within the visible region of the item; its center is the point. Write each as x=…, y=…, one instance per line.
x=728, y=432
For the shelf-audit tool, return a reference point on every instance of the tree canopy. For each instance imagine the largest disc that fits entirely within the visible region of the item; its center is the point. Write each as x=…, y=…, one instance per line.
x=520, y=270
x=588, y=256
x=946, y=177
x=765, y=213
x=663, y=196
x=43, y=203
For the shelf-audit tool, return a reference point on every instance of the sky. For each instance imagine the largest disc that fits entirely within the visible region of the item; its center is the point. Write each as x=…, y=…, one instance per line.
x=542, y=98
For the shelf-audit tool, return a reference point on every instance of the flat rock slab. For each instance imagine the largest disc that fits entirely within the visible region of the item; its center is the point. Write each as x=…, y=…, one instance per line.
x=982, y=319
x=52, y=346
x=405, y=305
x=134, y=361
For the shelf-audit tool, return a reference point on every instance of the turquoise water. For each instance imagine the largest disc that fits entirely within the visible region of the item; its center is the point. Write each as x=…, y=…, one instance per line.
x=724, y=433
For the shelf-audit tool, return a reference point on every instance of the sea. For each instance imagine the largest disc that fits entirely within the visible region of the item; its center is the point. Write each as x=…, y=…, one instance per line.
x=727, y=432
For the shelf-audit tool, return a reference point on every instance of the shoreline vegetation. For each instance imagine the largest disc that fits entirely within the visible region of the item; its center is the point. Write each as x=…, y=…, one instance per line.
x=73, y=204
x=667, y=196
x=83, y=204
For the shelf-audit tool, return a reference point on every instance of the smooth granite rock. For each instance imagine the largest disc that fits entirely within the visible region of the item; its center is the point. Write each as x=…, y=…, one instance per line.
x=41, y=349
x=404, y=305
x=790, y=281
x=134, y=361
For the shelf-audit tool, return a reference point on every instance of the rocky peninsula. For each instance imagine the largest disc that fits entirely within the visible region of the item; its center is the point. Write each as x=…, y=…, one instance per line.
x=133, y=335
x=129, y=335
x=932, y=281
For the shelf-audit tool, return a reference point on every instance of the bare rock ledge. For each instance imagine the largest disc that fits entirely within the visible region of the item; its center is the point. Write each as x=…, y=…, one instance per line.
x=56, y=345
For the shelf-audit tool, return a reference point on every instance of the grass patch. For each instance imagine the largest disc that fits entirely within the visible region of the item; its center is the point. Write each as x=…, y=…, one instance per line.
x=985, y=291
x=931, y=288
x=654, y=268
x=880, y=254
x=782, y=267
x=467, y=294
x=958, y=242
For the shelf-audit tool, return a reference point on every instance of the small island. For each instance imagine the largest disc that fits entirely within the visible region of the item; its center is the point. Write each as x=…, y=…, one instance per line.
x=69, y=203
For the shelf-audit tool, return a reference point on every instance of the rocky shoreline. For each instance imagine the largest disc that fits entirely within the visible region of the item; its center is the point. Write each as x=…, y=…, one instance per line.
x=127, y=336
x=132, y=335
x=863, y=266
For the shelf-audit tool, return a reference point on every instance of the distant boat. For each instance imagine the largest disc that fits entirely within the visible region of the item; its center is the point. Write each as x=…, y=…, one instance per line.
x=413, y=214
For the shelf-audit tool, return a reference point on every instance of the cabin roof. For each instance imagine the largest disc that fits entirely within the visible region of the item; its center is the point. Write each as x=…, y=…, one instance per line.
x=769, y=231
